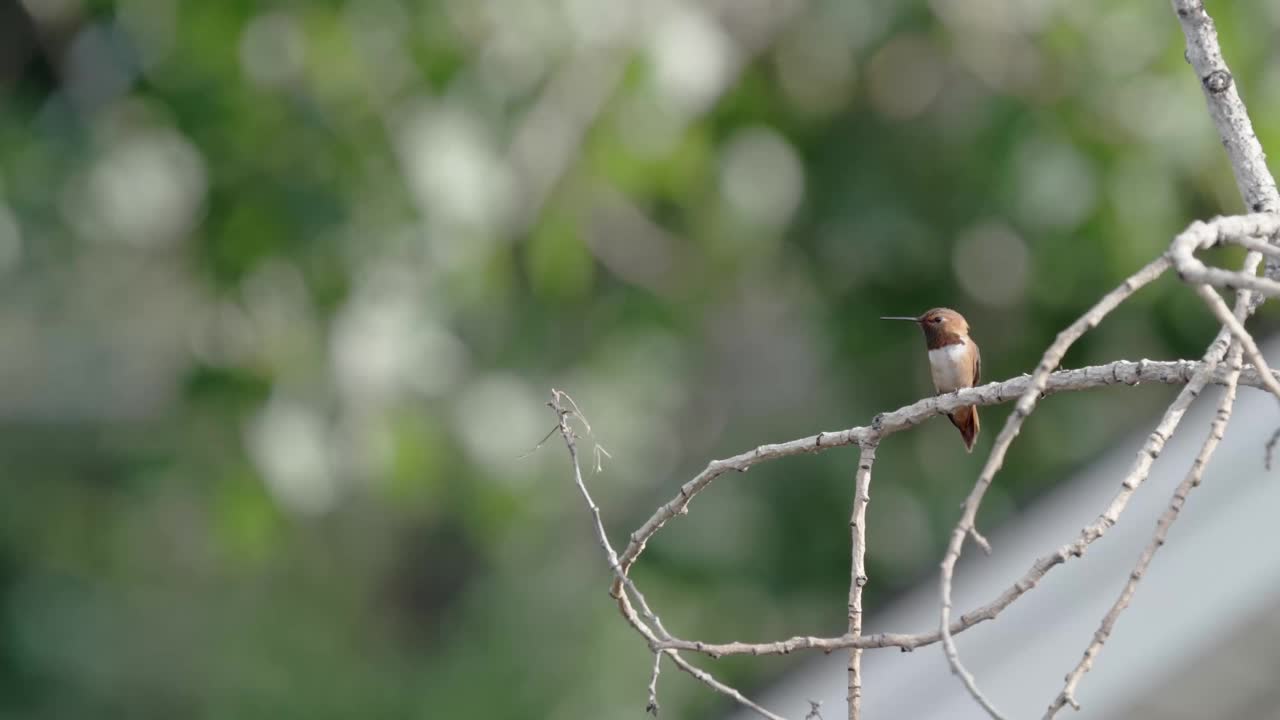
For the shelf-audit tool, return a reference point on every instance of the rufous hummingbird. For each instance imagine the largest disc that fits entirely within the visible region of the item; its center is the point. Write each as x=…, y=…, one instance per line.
x=954, y=362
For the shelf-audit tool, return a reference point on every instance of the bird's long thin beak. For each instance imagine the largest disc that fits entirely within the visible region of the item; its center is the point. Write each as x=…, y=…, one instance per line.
x=911, y=319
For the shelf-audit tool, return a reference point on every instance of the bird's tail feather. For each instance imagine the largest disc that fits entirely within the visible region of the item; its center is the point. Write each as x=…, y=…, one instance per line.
x=966, y=419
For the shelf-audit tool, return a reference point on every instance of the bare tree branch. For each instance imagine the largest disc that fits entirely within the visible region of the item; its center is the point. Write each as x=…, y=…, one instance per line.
x=706, y=679
x=1234, y=229
x=1217, y=428
x=1192, y=480
x=858, y=572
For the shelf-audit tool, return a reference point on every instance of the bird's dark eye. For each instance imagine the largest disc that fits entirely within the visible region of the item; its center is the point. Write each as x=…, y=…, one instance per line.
x=936, y=320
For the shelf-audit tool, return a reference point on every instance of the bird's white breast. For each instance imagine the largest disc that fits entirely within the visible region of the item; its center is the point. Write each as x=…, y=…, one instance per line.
x=950, y=367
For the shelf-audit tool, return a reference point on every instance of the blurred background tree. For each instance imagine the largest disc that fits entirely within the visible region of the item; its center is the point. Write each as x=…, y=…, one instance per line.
x=285, y=288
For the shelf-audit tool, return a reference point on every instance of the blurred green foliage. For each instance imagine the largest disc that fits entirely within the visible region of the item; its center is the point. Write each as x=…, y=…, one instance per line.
x=285, y=290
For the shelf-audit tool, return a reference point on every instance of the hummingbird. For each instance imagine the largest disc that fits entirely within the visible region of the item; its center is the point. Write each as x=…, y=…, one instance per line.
x=954, y=362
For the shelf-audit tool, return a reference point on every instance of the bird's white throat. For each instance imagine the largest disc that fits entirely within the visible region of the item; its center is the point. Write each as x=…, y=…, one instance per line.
x=950, y=367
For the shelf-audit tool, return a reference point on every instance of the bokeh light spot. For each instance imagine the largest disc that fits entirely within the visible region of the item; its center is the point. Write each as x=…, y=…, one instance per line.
x=904, y=77
x=761, y=177
x=272, y=49
x=289, y=443
x=990, y=263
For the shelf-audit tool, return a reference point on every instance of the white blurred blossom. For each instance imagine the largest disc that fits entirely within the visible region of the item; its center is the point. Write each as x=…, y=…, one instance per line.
x=499, y=418
x=147, y=188
x=455, y=168
x=289, y=443
x=272, y=49
x=761, y=177
x=693, y=58
x=991, y=263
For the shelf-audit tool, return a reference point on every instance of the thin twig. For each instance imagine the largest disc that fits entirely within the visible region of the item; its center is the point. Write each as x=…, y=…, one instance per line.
x=651, y=628
x=858, y=572
x=602, y=538
x=1192, y=480
x=577, y=411
x=1233, y=323
x=1257, y=245
x=1220, y=310
x=599, y=451
x=554, y=429
x=652, y=707
x=706, y=679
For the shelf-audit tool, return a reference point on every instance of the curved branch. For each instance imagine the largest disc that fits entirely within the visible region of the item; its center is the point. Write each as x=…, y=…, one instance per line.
x=657, y=632
x=1192, y=480
x=1239, y=230
x=1122, y=372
